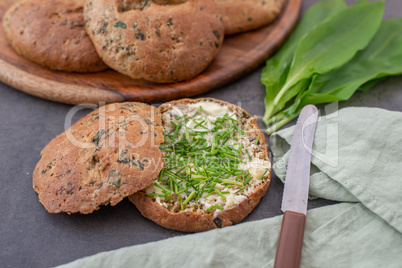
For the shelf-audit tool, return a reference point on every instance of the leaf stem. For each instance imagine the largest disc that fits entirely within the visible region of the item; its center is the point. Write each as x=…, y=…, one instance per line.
x=280, y=124
x=270, y=110
x=275, y=118
x=282, y=92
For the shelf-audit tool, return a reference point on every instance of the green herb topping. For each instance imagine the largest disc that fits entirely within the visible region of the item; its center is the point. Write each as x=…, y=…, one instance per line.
x=204, y=158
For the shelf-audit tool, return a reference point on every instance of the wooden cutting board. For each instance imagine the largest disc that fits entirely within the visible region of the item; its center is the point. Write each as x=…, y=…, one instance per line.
x=239, y=55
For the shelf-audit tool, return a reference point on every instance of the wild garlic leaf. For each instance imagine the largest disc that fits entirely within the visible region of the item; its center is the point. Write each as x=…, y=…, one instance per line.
x=336, y=41
x=366, y=86
x=331, y=44
x=381, y=58
x=277, y=64
x=295, y=90
x=277, y=67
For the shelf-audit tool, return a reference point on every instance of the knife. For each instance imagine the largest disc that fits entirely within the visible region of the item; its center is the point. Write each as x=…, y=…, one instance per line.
x=295, y=193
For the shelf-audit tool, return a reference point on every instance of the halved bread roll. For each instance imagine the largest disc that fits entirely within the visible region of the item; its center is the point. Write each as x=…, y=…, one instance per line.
x=216, y=167
x=107, y=155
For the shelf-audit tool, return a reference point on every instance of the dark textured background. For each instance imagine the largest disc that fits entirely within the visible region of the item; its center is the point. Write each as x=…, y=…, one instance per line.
x=31, y=237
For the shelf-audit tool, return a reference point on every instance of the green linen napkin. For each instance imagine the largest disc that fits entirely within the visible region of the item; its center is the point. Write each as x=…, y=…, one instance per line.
x=356, y=160
x=357, y=157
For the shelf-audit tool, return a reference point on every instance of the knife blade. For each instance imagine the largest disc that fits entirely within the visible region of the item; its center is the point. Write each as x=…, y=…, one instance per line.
x=295, y=194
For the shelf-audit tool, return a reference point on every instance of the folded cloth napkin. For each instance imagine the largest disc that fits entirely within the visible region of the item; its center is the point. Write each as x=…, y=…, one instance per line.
x=356, y=160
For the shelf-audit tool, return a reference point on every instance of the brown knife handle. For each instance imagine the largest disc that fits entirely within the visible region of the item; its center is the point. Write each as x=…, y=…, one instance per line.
x=290, y=242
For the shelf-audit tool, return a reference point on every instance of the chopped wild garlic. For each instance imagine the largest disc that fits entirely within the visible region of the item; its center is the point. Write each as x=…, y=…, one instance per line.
x=206, y=160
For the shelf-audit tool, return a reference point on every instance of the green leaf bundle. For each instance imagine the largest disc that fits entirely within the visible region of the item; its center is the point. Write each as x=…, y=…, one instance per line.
x=348, y=50
x=277, y=67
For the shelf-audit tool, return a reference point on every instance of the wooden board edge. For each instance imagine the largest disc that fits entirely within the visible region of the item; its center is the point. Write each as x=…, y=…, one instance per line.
x=52, y=90
x=74, y=94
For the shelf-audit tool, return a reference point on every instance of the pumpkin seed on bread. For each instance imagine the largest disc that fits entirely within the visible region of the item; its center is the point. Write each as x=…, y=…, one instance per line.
x=216, y=167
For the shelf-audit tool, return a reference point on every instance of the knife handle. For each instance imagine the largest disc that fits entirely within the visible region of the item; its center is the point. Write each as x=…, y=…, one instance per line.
x=290, y=240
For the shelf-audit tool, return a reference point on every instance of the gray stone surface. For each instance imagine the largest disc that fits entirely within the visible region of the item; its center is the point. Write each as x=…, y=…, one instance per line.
x=31, y=237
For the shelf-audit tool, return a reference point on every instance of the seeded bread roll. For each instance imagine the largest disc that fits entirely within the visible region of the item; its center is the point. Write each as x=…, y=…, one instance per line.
x=246, y=15
x=155, y=40
x=109, y=154
x=209, y=180
x=51, y=33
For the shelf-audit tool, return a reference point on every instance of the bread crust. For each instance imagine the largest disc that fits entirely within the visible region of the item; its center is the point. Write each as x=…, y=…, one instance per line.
x=107, y=155
x=51, y=33
x=241, y=16
x=158, y=41
x=201, y=221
